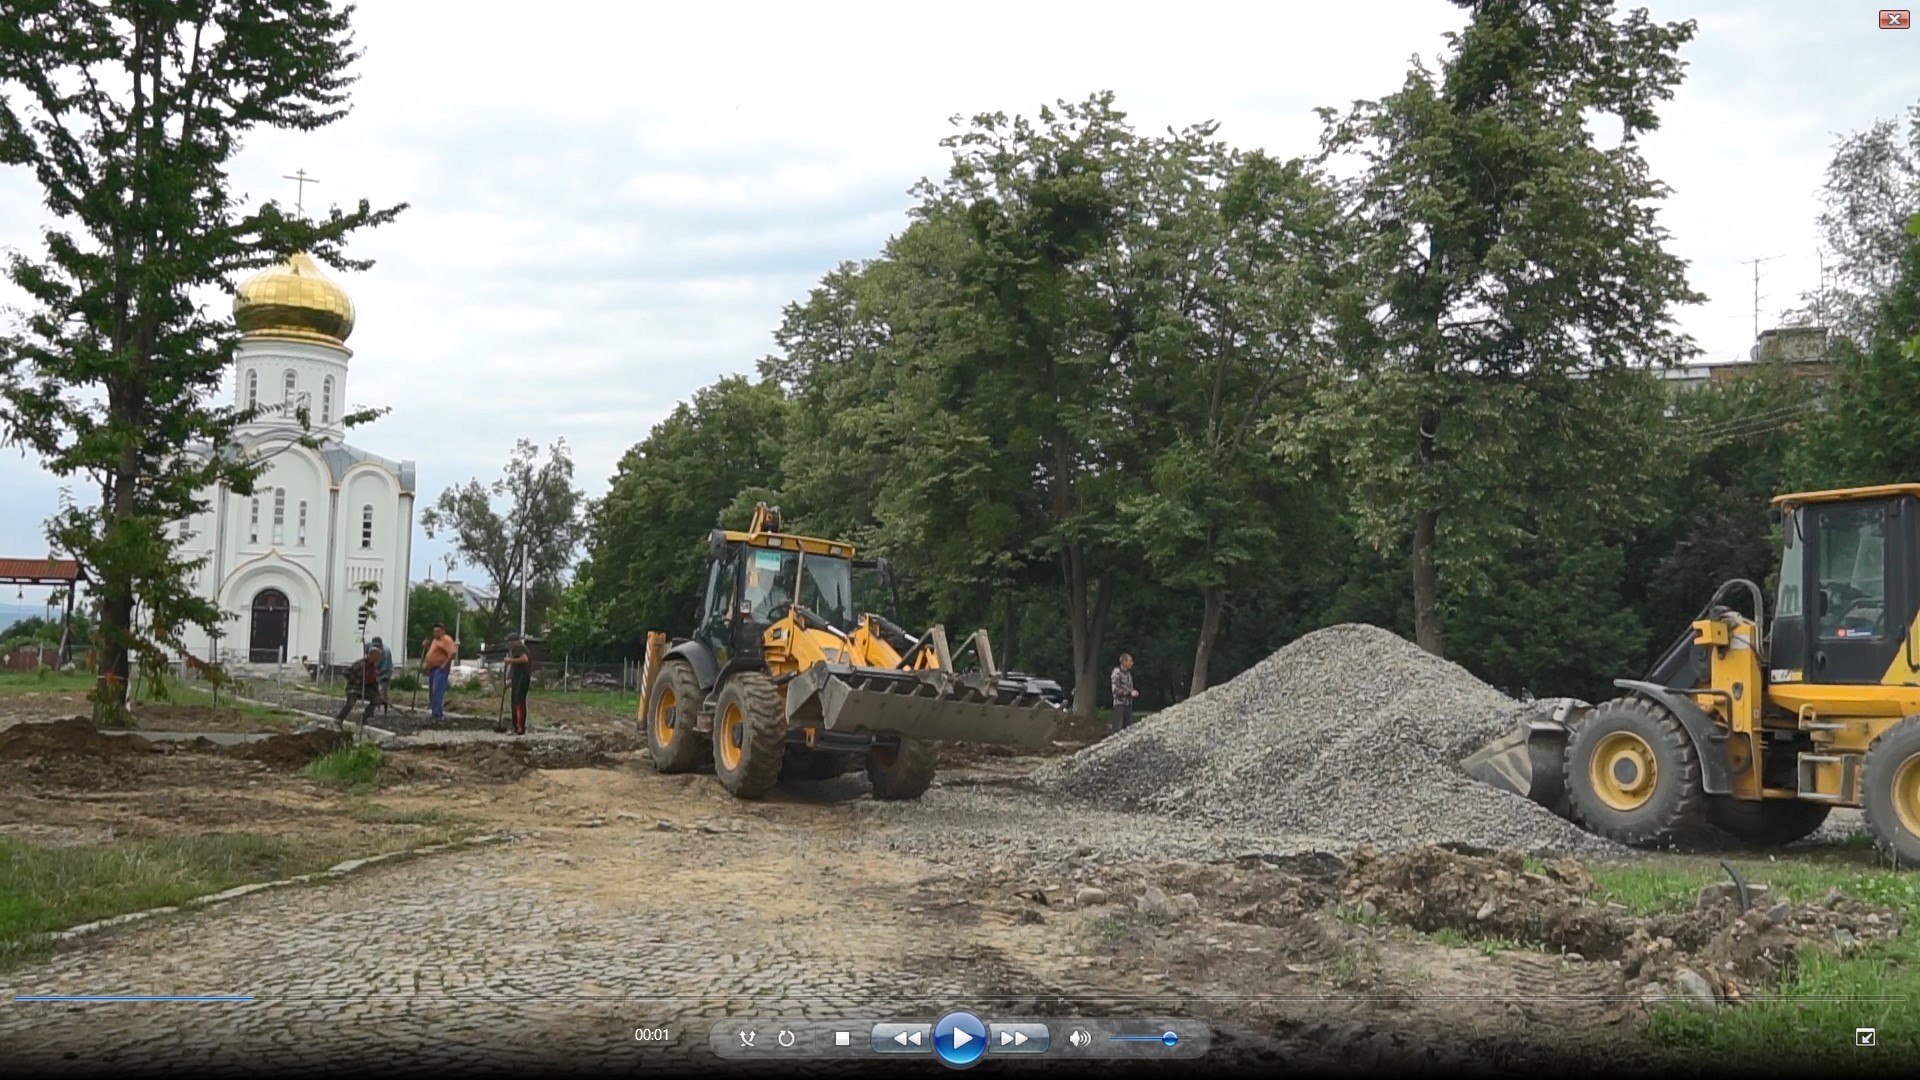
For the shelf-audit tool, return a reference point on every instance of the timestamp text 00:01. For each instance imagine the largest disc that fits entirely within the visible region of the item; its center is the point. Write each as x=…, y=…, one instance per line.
x=653, y=1035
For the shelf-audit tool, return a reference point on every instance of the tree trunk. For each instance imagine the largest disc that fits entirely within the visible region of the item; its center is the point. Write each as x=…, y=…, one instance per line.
x=1213, y=603
x=1426, y=569
x=1088, y=624
x=115, y=680
x=1007, y=643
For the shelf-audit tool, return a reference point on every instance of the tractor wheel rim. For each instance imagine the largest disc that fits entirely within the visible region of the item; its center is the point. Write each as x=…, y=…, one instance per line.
x=1623, y=771
x=663, y=719
x=729, y=740
x=1906, y=794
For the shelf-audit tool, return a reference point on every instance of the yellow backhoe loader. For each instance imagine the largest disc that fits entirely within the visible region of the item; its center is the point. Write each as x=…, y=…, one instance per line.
x=1760, y=727
x=789, y=672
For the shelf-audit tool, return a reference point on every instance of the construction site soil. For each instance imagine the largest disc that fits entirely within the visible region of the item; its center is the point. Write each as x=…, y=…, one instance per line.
x=1157, y=873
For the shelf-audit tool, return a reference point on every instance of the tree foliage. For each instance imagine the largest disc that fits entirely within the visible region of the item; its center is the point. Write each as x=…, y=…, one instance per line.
x=129, y=114
x=532, y=537
x=1510, y=279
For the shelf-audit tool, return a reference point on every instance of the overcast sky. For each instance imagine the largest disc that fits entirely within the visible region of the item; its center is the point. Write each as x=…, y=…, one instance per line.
x=611, y=202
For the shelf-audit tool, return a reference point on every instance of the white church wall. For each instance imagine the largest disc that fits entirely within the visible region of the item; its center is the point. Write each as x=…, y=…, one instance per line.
x=243, y=593
x=366, y=543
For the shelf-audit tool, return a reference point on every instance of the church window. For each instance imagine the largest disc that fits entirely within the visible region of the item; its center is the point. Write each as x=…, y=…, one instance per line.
x=253, y=521
x=326, y=400
x=292, y=381
x=366, y=527
x=279, y=515
x=300, y=538
x=253, y=389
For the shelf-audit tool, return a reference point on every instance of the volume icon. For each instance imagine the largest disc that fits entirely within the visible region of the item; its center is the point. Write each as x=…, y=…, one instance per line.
x=1080, y=1037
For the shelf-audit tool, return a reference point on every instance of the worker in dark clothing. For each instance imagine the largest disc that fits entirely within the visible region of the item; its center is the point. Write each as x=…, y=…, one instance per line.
x=519, y=678
x=386, y=675
x=363, y=685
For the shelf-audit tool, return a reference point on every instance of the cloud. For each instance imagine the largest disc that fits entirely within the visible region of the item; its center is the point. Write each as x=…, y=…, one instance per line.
x=611, y=204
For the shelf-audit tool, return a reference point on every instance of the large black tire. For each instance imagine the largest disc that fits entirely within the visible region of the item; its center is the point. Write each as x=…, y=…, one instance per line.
x=1633, y=775
x=672, y=710
x=814, y=764
x=1763, y=823
x=1890, y=792
x=903, y=772
x=749, y=705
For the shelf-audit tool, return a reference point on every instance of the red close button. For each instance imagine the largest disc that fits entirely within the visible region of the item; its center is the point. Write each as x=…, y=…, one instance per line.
x=1895, y=20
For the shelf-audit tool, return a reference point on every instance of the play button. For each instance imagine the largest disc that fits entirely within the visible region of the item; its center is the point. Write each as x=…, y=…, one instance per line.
x=959, y=1038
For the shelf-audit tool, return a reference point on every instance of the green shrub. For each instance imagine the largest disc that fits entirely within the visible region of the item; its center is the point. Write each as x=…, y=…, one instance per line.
x=348, y=767
x=408, y=682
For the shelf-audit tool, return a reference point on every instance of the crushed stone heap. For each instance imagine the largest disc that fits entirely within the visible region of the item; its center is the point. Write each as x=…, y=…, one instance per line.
x=1350, y=733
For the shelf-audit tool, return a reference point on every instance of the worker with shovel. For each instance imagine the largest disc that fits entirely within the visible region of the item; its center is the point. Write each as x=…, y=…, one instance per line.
x=519, y=677
x=363, y=685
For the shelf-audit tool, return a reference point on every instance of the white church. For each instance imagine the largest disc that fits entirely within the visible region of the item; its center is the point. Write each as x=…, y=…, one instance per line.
x=289, y=564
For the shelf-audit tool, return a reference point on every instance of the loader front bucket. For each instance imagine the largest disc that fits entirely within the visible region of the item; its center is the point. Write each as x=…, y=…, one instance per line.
x=920, y=705
x=1530, y=762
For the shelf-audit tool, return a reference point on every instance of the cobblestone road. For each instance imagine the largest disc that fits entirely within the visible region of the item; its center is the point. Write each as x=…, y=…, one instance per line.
x=553, y=948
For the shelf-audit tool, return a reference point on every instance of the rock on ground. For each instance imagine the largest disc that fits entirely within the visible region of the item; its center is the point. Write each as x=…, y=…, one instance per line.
x=1350, y=732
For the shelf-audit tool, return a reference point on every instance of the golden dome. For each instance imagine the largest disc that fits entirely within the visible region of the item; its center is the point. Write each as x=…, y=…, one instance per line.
x=294, y=300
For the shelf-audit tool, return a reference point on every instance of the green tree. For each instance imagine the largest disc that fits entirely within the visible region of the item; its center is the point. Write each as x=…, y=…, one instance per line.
x=1248, y=245
x=1869, y=429
x=129, y=113
x=534, y=538
x=429, y=603
x=1510, y=277
x=647, y=539
x=1872, y=187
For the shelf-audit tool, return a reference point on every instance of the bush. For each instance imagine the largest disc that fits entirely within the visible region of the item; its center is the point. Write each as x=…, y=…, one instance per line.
x=408, y=682
x=348, y=767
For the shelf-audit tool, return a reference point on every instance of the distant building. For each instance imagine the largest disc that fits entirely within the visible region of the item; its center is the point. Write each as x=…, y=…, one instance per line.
x=1803, y=349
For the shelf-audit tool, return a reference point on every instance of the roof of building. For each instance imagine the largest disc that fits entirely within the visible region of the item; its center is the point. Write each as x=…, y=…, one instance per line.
x=29, y=571
x=341, y=457
x=294, y=300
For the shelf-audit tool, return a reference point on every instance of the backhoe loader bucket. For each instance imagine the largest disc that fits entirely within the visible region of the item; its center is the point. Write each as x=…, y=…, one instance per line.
x=932, y=704
x=1531, y=761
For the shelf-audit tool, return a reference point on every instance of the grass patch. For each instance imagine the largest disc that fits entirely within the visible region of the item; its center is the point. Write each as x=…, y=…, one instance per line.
x=1489, y=945
x=372, y=813
x=45, y=681
x=351, y=767
x=51, y=888
x=406, y=682
x=1810, y=1017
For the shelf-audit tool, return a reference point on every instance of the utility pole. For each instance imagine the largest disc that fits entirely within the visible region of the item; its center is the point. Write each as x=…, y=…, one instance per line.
x=525, y=561
x=1756, y=290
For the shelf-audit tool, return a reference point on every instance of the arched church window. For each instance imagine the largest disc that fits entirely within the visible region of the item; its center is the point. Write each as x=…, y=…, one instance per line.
x=279, y=515
x=326, y=400
x=300, y=537
x=253, y=521
x=253, y=389
x=292, y=381
x=366, y=526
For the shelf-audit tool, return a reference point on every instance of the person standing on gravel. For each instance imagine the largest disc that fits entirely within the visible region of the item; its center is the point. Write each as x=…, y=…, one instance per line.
x=1123, y=692
x=438, y=664
x=519, y=677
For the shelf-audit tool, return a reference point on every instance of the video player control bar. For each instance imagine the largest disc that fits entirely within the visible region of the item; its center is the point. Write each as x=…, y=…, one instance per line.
x=961, y=1038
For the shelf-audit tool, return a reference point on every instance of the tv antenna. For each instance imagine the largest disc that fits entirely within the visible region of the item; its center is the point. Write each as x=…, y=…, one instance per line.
x=1756, y=288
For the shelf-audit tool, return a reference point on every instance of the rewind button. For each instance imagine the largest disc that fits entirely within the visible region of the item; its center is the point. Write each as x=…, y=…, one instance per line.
x=902, y=1038
x=1018, y=1038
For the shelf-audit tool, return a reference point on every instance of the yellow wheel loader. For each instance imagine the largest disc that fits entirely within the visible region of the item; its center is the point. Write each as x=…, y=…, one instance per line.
x=787, y=675
x=1760, y=727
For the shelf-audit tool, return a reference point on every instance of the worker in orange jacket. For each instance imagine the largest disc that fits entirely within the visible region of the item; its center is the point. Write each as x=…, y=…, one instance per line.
x=438, y=664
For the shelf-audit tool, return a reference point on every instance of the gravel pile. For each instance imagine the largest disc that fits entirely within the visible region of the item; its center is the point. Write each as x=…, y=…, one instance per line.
x=1350, y=732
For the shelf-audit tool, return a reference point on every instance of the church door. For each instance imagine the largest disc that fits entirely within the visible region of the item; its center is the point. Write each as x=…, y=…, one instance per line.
x=269, y=641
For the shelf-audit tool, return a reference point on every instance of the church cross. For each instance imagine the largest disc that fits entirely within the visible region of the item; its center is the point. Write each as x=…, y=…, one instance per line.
x=301, y=180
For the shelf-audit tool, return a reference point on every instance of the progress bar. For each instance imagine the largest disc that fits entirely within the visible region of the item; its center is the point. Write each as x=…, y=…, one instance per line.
x=133, y=997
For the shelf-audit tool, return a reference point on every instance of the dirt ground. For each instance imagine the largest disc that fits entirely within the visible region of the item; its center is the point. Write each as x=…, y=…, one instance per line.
x=1297, y=959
